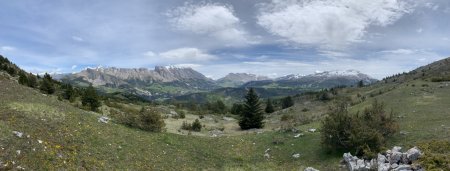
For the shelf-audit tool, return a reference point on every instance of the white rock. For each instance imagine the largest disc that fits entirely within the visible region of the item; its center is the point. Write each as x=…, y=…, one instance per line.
x=413, y=154
x=103, y=119
x=18, y=134
x=396, y=149
x=395, y=157
x=267, y=156
x=310, y=169
x=296, y=155
x=298, y=135
x=384, y=167
x=18, y=152
x=403, y=167
x=40, y=141
x=312, y=130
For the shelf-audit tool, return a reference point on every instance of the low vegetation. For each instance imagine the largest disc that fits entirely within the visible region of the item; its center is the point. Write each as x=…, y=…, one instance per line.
x=365, y=133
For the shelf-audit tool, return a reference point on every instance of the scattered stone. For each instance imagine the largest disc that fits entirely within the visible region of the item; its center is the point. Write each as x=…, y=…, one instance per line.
x=18, y=134
x=404, y=133
x=298, y=135
x=310, y=169
x=18, y=152
x=312, y=130
x=228, y=118
x=103, y=119
x=296, y=155
x=394, y=160
x=40, y=141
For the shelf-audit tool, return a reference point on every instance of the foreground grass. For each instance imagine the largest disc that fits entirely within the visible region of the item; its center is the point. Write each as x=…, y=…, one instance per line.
x=59, y=136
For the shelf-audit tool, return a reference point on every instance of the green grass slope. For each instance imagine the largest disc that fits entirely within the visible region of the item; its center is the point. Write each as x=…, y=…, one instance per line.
x=59, y=136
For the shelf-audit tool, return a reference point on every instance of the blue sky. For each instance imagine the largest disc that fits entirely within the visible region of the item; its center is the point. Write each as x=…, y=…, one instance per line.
x=265, y=37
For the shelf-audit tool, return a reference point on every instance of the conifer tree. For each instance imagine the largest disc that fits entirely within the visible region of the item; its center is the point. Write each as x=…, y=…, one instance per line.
x=287, y=102
x=23, y=79
x=90, y=98
x=269, y=107
x=69, y=93
x=252, y=116
x=47, y=85
x=32, y=81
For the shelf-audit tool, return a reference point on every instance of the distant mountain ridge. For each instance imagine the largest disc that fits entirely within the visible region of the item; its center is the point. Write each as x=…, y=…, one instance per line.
x=326, y=79
x=238, y=79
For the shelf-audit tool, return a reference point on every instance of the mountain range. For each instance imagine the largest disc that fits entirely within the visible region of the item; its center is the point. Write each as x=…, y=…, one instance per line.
x=169, y=81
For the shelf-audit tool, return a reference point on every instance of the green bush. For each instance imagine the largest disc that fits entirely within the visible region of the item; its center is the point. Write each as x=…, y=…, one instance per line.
x=195, y=126
x=436, y=155
x=364, y=134
x=150, y=120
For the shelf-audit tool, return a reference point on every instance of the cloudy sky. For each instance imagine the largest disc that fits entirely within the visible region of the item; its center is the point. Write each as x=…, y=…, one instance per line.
x=215, y=37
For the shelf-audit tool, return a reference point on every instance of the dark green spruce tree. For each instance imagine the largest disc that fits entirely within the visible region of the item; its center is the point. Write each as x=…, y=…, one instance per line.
x=47, y=85
x=252, y=116
x=269, y=107
x=90, y=98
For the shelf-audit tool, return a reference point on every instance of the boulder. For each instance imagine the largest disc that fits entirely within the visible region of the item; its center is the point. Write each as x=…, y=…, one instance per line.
x=395, y=157
x=296, y=155
x=413, y=154
x=384, y=167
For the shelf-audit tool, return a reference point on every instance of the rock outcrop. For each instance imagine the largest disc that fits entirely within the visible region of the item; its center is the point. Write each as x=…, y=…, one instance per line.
x=392, y=160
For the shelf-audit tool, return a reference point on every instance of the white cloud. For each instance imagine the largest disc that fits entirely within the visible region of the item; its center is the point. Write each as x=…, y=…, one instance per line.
x=150, y=54
x=78, y=39
x=7, y=48
x=74, y=67
x=329, y=24
x=187, y=54
x=210, y=19
x=432, y=6
x=400, y=51
x=188, y=65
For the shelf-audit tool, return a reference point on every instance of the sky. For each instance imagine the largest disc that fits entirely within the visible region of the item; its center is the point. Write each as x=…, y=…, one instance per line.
x=215, y=37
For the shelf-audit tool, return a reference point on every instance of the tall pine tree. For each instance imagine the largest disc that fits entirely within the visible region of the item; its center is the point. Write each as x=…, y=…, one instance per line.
x=269, y=107
x=252, y=116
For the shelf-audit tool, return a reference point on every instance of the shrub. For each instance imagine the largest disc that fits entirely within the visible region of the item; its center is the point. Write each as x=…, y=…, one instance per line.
x=365, y=134
x=436, y=155
x=287, y=102
x=196, y=126
x=150, y=120
x=186, y=126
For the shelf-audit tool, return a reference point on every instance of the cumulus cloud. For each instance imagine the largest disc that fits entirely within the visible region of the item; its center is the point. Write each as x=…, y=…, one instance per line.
x=330, y=24
x=210, y=19
x=187, y=54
